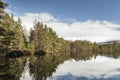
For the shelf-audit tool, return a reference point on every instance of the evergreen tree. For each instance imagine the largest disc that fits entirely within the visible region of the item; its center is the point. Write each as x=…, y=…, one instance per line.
x=2, y=7
x=19, y=41
x=11, y=31
x=6, y=28
x=42, y=37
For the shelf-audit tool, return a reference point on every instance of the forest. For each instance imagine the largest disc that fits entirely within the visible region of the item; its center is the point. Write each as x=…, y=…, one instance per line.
x=43, y=38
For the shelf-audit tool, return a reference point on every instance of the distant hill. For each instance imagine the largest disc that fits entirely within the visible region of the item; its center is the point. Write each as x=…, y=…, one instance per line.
x=110, y=42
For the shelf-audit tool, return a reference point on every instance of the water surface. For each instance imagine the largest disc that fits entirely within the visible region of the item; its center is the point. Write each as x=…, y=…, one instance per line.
x=60, y=67
x=101, y=68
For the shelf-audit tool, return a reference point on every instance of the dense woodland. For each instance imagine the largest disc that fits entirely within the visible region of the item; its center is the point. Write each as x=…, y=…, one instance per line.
x=13, y=37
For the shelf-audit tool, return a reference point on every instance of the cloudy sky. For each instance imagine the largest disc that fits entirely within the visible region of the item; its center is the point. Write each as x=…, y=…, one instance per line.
x=93, y=20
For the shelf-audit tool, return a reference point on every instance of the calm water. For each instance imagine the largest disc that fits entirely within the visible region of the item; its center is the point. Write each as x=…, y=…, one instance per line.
x=101, y=68
x=55, y=67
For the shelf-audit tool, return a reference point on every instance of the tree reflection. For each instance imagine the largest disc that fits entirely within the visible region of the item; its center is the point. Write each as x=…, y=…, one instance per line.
x=82, y=56
x=42, y=67
x=11, y=69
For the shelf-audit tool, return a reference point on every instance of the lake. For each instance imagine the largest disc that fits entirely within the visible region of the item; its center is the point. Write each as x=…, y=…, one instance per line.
x=60, y=67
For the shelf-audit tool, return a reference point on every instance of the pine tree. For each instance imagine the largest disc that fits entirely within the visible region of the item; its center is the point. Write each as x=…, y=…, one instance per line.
x=6, y=26
x=19, y=36
x=42, y=37
x=11, y=32
x=2, y=7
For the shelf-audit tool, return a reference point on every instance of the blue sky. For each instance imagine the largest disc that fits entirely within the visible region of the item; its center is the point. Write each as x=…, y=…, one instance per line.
x=94, y=20
x=78, y=9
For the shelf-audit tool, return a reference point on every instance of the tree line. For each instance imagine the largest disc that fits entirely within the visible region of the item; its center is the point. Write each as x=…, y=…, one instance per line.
x=13, y=37
x=42, y=37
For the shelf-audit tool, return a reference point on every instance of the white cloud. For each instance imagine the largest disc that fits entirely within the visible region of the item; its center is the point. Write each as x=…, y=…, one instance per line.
x=90, y=30
x=29, y=18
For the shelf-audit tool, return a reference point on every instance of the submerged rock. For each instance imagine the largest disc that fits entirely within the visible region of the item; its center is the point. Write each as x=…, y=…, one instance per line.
x=15, y=54
x=40, y=53
x=27, y=52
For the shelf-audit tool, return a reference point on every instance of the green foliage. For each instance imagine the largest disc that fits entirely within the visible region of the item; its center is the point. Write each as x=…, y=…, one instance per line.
x=81, y=46
x=7, y=32
x=42, y=67
x=12, y=34
x=11, y=69
x=19, y=40
x=3, y=5
x=44, y=38
x=11, y=31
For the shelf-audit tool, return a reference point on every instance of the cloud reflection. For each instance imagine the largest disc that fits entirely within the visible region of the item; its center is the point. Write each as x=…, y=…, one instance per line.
x=100, y=68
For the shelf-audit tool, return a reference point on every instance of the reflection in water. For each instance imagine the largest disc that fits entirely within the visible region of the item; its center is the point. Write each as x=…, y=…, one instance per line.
x=101, y=68
x=25, y=73
x=45, y=66
x=11, y=69
x=60, y=67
